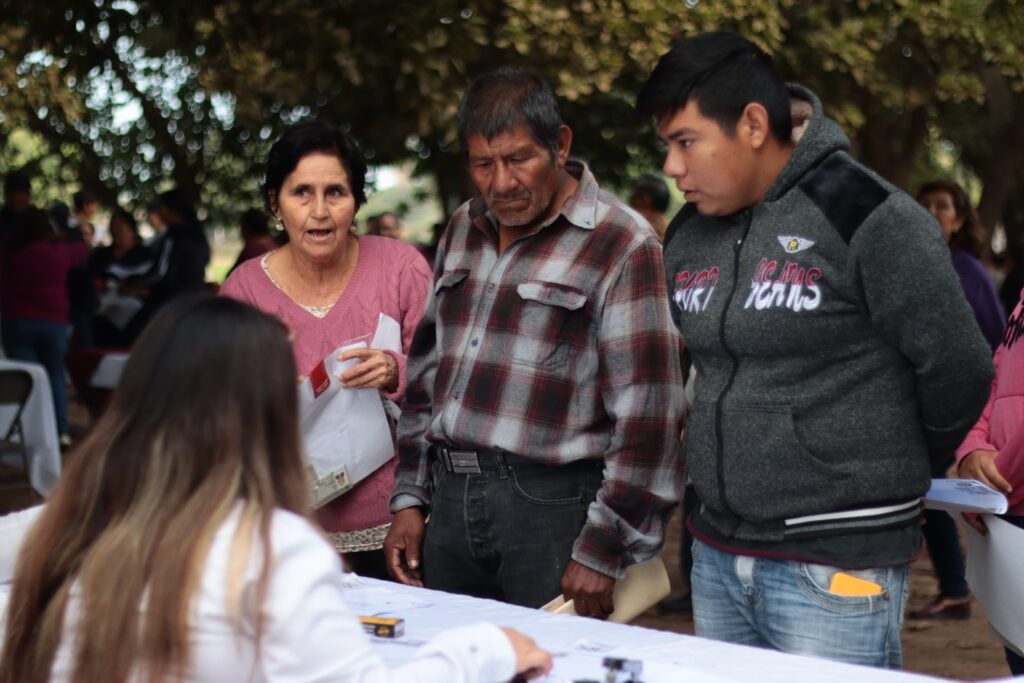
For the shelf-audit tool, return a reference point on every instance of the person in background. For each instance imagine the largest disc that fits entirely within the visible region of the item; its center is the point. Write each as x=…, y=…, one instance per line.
x=85, y=206
x=837, y=359
x=330, y=286
x=993, y=452
x=1013, y=283
x=17, y=201
x=385, y=224
x=949, y=204
x=177, y=546
x=540, y=430
x=34, y=267
x=951, y=207
x=180, y=255
x=256, y=236
x=113, y=268
x=156, y=222
x=650, y=198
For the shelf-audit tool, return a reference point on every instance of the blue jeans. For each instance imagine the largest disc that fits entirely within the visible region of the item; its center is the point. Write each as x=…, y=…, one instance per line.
x=506, y=533
x=786, y=606
x=44, y=342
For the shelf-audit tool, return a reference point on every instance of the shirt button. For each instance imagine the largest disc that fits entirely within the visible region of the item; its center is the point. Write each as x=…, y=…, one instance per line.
x=456, y=396
x=474, y=342
x=490, y=287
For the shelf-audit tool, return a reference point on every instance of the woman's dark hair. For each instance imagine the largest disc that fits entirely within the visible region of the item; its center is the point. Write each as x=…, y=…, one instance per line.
x=32, y=226
x=968, y=237
x=722, y=72
x=498, y=101
x=182, y=203
x=120, y=214
x=312, y=137
x=254, y=223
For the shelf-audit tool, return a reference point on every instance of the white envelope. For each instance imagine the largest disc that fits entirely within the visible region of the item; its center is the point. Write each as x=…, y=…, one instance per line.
x=345, y=432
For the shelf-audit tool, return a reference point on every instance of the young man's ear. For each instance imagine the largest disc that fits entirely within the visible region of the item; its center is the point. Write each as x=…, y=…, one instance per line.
x=754, y=126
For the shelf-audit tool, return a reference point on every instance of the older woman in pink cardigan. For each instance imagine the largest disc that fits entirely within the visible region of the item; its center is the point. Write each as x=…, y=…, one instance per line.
x=330, y=286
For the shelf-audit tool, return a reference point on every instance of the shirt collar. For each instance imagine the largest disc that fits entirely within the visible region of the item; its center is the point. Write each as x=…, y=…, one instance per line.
x=580, y=209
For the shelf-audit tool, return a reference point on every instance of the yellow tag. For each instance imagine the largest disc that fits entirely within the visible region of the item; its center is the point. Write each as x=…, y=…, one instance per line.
x=851, y=586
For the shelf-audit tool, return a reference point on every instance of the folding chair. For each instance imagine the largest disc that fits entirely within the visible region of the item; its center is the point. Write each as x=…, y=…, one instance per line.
x=15, y=387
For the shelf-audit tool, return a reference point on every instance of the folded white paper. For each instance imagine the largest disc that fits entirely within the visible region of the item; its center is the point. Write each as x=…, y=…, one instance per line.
x=345, y=432
x=964, y=495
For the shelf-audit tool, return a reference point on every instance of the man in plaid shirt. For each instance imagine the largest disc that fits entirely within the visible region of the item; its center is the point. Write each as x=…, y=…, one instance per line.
x=541, y=424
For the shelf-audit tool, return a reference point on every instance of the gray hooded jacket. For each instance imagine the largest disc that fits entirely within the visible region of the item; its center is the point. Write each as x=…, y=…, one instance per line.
x=835, y=353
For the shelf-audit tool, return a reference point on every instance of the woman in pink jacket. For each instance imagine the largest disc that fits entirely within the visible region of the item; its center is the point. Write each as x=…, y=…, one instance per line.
x=993, y=451
x=330, y=286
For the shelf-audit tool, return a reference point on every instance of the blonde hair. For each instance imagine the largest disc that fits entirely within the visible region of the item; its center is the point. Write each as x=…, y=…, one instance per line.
x=205, y=421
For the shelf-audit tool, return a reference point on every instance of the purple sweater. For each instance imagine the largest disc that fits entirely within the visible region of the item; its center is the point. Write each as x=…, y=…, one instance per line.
x=391, y=277
x=981, y=295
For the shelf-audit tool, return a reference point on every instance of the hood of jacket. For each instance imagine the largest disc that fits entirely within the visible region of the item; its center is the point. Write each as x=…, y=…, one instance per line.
x=815, y=136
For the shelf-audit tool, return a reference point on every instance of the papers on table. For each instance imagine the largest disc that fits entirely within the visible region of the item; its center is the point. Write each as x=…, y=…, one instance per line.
x=345, y=432
x=118, y=308
x=993, y=572
x=580, y=644
x=964, y=495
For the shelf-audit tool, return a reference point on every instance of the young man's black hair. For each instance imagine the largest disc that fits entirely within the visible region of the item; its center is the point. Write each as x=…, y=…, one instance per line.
x=722, y=73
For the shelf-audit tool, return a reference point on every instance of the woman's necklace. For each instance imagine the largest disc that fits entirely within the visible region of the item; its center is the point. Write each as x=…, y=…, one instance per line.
x=322, y=292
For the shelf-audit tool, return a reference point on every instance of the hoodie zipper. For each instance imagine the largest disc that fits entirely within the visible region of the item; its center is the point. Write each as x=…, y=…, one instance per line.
x=720, y=462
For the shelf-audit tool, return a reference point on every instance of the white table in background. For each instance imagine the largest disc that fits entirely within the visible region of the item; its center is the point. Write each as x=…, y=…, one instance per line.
x=39, y=427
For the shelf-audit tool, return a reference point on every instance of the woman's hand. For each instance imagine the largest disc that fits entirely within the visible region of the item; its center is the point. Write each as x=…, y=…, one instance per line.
x=980, y=464
x=376, y=370
x=531, y=661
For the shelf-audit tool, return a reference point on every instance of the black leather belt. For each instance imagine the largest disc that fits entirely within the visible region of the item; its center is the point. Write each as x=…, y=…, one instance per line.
x=463, y=461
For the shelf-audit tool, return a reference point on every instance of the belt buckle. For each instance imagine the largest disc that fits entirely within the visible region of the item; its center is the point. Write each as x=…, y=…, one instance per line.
x=463, y=462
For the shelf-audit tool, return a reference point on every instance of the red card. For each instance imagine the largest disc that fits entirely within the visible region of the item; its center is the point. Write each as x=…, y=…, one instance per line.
x=319, y=379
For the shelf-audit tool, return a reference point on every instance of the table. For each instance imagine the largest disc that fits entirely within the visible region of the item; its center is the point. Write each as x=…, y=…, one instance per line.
x=39, y=427
x=579, y=644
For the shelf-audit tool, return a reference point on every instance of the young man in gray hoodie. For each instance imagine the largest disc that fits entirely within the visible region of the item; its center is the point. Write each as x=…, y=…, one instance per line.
x=836, y=357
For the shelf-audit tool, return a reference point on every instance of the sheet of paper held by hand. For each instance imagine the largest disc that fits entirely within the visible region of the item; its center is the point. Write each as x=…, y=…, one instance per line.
x=345, y=432
x=993, y=572
x=964, y=495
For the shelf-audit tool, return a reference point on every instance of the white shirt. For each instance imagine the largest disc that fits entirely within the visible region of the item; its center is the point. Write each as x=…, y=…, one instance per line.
x=310, y=635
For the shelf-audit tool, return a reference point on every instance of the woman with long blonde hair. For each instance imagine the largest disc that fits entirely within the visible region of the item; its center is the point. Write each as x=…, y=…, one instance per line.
x=177, y=545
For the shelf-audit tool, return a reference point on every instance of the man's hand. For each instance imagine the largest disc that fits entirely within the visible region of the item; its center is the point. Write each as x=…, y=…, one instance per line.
x=402, y=546
x=590, y=591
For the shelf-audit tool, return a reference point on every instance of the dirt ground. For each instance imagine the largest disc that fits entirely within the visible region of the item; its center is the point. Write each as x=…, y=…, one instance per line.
x=960, y=650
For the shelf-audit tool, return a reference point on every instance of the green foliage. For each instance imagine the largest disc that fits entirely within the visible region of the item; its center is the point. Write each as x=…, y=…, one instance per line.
x=130, y=97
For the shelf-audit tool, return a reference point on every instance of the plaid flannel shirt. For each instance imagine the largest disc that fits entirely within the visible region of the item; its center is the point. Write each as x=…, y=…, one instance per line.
x=561, y=348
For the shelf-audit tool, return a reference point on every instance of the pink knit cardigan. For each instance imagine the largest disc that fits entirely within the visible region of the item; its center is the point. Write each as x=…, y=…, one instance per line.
x=390, y=277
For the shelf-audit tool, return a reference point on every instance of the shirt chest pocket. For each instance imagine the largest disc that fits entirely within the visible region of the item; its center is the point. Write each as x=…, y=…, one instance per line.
x=449, y=291
x=551, y=320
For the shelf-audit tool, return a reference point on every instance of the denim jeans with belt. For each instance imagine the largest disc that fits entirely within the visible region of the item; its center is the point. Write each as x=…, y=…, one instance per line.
x=507, y=532
x=787, y=606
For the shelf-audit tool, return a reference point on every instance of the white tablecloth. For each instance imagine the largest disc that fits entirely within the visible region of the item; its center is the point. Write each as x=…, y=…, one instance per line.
x=579, y=644
x=39, y=427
